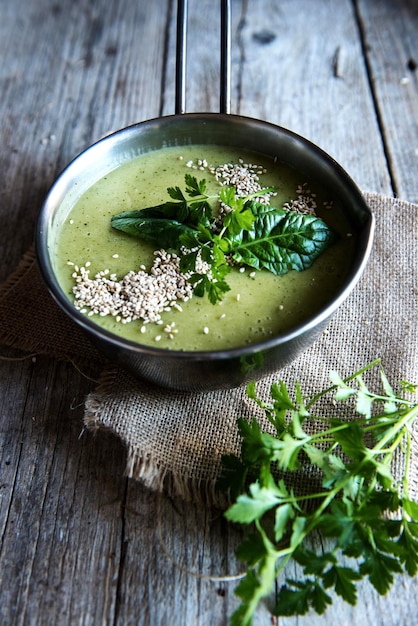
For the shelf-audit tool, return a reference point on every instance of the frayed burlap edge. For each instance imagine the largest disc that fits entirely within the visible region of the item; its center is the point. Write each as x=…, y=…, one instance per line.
x=24, y=265
x=25, y=303
x=143, y=466
x=9, y=337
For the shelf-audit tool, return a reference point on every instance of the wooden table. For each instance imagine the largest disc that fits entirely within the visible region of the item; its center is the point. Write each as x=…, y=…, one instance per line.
x=81, y=544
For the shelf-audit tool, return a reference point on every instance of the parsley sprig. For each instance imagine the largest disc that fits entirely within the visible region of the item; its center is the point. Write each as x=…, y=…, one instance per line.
x=364, y=510
x=251, y=233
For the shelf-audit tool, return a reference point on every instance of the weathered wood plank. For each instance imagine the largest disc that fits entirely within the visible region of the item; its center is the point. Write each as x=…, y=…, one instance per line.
x=12, y=405
x=390, y=34
x=175, y=551
x=71, y=73
x=302, y=67
x=61, y=520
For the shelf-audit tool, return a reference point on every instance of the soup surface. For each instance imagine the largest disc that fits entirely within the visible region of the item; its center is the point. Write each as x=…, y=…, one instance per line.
x=258, y=305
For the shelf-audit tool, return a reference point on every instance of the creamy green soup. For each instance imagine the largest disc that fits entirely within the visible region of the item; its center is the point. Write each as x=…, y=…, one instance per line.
x=258, y=305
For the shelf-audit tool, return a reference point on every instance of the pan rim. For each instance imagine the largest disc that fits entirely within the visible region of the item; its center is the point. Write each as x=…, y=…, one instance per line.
x=48, y=274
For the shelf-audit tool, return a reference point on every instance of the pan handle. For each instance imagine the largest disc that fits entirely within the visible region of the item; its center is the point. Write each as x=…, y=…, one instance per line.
x=225, y=84
x=225, y=60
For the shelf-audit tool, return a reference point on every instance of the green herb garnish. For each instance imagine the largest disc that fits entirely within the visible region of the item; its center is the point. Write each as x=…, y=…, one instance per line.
x=361, y=507
x=251, y=233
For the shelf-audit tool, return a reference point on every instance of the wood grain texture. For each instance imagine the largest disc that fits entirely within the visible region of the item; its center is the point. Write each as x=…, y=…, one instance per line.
x=62, y=523
x=390, y=37
x=71, y=73
x=302, y=68
x=80, y=544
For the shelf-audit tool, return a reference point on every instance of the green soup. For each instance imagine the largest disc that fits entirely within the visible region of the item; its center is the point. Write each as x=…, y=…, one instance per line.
x=258, y=305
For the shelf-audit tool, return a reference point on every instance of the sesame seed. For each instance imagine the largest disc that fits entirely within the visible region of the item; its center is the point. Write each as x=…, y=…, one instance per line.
x=115, y=256
x=206, y=330
x=238, y=298
x=138, y=295
x=304, y=203
x=158, y=338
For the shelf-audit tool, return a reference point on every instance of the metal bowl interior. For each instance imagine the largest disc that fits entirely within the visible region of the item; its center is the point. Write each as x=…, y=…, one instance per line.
x=202, y=371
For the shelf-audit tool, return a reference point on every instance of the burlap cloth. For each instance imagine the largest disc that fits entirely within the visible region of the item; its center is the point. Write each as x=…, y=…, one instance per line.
x=175, y=440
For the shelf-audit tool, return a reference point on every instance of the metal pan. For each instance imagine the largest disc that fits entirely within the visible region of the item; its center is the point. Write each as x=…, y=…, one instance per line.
x=202, y=371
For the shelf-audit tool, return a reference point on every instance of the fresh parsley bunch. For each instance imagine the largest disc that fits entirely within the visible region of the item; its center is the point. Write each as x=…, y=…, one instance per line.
x=364, y=510
x=252, y=233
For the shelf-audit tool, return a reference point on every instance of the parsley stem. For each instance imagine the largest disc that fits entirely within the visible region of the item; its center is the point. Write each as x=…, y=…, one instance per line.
x=391, y=449
x=257, y=194
x=405, y=480
x=319, y=395
x=401, y=425
x=201, y=198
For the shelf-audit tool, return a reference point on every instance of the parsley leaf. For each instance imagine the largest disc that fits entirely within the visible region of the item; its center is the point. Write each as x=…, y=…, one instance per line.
x=296, y=598
x=342, y=580
x=364, y=511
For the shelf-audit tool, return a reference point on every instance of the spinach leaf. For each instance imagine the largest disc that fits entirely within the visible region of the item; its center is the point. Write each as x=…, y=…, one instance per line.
x=280, y=241
x=164, y=233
